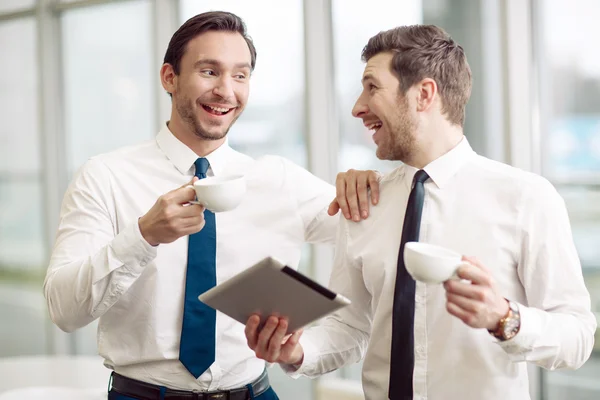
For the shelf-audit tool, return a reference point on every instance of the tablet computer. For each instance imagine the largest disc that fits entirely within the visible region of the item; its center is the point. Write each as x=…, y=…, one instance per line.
x=272, y=288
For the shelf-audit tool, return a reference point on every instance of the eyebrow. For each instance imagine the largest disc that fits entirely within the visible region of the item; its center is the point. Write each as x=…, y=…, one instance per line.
x=216, y=63
x=369, y=77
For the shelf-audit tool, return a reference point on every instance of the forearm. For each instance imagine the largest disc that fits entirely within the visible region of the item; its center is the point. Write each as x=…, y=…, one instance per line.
x=329, y=346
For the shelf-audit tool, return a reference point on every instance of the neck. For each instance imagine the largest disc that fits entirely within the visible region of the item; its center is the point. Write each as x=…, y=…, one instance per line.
x=198, y=145
x=432, y=146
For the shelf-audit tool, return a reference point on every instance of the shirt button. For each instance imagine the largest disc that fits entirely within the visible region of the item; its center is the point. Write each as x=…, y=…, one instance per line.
x=419, y=299
x=420, y=350
x=143, y=263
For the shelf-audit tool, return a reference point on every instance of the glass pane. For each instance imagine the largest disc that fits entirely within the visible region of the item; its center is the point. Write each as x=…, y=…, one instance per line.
x=14, y=5
x=274, y=119
x=22, y=246
x=109, y=78
x=23, y=308
x=571, y=90
x=353, y=25
x=570, y=111
x=19, y=111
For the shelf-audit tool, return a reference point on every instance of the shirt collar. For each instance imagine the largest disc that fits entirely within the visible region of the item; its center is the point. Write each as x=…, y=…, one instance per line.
x=183, y=157
x=442, y=169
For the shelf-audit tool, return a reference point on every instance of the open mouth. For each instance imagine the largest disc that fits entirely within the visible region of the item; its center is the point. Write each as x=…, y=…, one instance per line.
x=216, y=110
x=374, y=127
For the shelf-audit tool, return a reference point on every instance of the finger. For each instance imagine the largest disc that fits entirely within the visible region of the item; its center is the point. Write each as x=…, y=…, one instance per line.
x=458, y=312
x=192, y=225
x=251, y=330
x=467, y=304
x=334, y=207
x=373, y=182
x=362, y=191
x=275, y=343
x=183, y=195
x=474, y=261
x=293, y=339
x=476, y=275
x=287, y=350
x=265, y=336
x=352, y=196
x=191, y=210
x=340, y=189
x=465, y=289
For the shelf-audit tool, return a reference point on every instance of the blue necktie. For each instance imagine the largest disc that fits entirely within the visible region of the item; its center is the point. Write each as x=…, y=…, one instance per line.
x=197, y=348
x=402, y=360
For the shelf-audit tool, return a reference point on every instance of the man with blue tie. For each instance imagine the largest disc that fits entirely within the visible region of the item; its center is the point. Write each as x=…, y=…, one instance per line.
x=521, y=297
x=133, y=252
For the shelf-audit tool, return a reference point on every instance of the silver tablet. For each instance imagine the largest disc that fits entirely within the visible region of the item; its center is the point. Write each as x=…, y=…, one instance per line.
x=271, y=288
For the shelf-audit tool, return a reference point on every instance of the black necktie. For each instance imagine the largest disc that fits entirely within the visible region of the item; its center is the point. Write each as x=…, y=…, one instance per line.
x=402, y=359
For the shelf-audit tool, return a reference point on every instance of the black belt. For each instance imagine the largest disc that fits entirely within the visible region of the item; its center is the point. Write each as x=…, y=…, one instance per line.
x=148, y=391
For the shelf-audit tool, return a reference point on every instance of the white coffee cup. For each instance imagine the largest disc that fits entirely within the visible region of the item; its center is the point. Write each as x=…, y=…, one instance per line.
x=429, y=263
x=220, y=193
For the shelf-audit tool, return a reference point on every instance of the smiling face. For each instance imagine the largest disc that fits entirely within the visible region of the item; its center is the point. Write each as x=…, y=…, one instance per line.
x=387, y=112
x=212, y=87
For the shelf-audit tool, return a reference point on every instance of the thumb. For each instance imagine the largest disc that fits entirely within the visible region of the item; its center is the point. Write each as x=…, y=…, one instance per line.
x=292, y=351
x=334, y=207
x=190, y=183
x=186, y=192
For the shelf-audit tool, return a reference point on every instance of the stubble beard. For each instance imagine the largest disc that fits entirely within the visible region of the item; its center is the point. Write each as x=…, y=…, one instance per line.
x=185, y=110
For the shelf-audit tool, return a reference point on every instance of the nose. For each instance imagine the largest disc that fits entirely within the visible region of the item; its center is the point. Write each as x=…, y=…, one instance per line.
x=360, y=107
x=224, y=89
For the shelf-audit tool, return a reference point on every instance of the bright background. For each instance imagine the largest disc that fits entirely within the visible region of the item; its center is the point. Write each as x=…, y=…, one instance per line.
x=80, y=77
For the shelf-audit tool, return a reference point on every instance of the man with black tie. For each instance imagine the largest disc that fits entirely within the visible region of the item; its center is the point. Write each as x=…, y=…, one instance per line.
x=521, y=298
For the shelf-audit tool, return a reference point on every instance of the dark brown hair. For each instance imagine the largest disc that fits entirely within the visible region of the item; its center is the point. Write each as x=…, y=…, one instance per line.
x=426, y=51
x=209, y=21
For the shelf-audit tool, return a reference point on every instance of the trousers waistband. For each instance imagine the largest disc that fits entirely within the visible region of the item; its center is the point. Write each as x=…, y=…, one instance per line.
x=148, y=391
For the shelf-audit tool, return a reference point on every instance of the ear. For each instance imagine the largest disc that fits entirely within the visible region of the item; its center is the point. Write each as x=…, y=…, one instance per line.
x=168, y=78
x=426, y=94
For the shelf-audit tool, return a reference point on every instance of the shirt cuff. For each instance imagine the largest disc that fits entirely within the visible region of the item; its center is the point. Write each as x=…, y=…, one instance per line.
x=309, y=360
x=130, y=247
x=529, y=332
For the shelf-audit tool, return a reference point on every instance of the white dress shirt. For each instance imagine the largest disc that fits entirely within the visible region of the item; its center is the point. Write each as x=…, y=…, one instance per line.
x=101, y=266
x=516, y=224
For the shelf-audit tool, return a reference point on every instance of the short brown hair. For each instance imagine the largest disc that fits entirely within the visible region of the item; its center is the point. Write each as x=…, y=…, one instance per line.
x=209, y=21
x=426, y=51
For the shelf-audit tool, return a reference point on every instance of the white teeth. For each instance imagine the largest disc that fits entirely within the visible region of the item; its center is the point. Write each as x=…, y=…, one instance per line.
x=375, y=125
x=219, y=109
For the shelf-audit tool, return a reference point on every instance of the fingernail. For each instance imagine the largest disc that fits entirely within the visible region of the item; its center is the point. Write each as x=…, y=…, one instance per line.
x=364, y=214
x=356, y=217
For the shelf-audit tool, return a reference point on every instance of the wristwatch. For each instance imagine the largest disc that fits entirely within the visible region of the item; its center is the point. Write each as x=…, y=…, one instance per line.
x=508, y=326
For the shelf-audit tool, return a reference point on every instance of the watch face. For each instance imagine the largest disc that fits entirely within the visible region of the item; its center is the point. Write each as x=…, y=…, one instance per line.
x=511, y=327
x=512, y=323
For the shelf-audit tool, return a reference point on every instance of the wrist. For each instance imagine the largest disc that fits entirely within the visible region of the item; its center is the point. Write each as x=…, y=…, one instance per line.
x=508, y=326
x=145, y=234
x=500, y=313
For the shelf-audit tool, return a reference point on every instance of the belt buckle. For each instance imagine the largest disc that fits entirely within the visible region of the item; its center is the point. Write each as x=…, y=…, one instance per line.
x=222, y=395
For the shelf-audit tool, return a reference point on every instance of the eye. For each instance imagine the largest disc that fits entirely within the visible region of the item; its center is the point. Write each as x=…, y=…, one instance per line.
x=372, y=87
x=240, y=76
x=208, y=72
